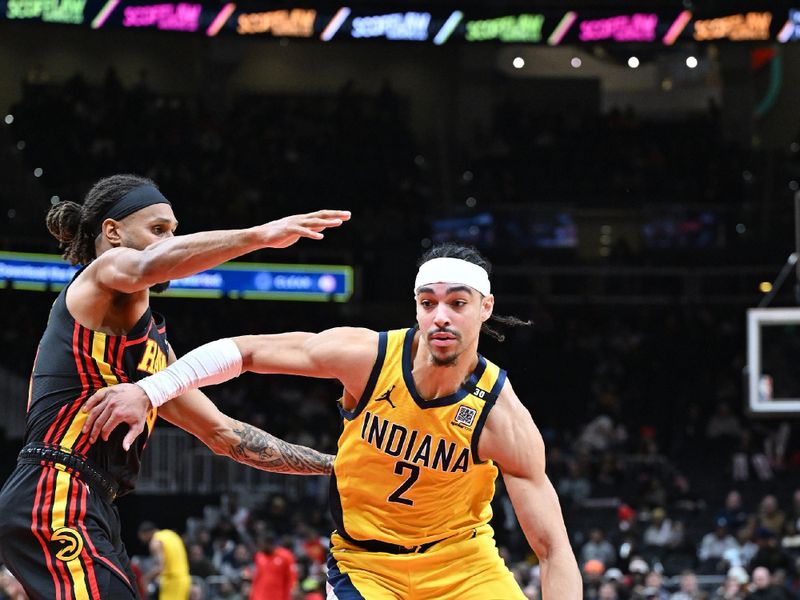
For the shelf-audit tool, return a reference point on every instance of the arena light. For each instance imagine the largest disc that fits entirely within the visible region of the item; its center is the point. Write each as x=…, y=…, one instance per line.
x=448, y=28
x=561, y=29
x=104, y=13
x=518, y=62
x=9, y=119
x=575, y=62
x=677, y=27
x=220, y=20
x=633, y=62
x=336, y=23
x=638, y=27
x=691, y=62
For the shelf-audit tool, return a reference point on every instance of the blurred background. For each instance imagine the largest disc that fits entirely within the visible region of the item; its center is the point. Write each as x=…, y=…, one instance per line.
x=630, y=169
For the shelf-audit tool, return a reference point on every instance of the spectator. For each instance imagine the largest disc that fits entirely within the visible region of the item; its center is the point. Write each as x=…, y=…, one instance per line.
x=689, y=588
x=770, y=516
x=598, y=548
x=723, y=424
x=592, y=577
x=608, y=591
x=733, y=512
x=199, y=563
x=762, y=588
x=275, y=571
x=575, y=487
x=770, y=554
x=662, y=533
x=735, y=585
x=654, y=586
x=236, y=563
x=713, y=548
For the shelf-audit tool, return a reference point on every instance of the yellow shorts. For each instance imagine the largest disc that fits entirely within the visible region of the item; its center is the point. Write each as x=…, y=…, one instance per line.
x=174, y=588
x=464, y=567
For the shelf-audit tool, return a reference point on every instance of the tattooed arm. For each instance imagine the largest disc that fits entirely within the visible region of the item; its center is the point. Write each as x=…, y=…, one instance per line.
x=263, y=451
x=244, y=443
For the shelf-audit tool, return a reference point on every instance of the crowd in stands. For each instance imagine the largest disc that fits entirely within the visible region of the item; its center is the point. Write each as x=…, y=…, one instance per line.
x=668, y=490
x=257, y=156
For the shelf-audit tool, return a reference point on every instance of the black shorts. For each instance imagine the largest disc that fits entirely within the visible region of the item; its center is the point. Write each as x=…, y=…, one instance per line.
x=61, y=539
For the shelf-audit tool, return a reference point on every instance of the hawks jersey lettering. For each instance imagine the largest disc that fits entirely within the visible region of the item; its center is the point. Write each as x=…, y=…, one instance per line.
x=407, y=470
x=72, y=362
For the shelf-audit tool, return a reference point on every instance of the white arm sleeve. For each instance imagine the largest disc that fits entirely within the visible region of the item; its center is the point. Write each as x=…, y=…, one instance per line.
x=209, y=364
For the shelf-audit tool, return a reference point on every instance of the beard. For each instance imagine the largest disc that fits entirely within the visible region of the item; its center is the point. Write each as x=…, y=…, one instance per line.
x=448, y=360
x=444, y=361
x=160, y=287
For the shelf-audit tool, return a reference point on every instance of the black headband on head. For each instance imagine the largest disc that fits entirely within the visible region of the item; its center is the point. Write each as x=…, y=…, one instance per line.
x=138, y=198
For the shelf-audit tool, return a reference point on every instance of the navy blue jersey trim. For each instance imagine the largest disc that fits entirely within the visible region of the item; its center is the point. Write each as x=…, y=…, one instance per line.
x=336, y=507
x=343, y=587
x=459, y=394
x=383, y=338
x=489, y=401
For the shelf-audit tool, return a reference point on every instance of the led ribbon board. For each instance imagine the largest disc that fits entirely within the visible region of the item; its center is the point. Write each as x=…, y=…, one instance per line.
x=409, y=26
x=171, y=17
x=50, y=11
x=297, y=22
x=249, y=281
x=790, y=31
x=740, y=27
x=638, y=27
x=513, y=28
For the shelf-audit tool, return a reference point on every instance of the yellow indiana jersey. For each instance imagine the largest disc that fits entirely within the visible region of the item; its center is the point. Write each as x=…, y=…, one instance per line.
x=175, y=562
x=407, y=471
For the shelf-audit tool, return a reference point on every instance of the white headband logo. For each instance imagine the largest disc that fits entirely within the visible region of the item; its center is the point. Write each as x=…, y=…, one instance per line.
x=453, y=270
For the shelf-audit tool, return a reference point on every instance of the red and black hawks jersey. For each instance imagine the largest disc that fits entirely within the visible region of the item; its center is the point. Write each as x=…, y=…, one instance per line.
x=72, y=362
x=408, y=471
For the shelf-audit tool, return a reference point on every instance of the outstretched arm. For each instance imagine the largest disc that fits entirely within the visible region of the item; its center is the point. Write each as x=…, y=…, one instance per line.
x=128, y=270
x=510, y=438
x=344, y=353
x=194, y=412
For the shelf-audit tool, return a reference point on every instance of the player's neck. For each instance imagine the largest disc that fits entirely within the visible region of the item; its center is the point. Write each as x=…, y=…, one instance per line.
x=434, y=380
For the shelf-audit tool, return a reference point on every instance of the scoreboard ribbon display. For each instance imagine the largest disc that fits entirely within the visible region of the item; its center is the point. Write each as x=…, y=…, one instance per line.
x=248, y=281
x=415, y=23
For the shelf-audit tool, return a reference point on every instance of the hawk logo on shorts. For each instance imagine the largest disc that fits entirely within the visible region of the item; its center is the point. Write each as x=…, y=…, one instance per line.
x=465, y=417
x=71, y=543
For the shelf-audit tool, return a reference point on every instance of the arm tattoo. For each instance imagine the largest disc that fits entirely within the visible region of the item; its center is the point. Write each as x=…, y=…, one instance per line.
x=263, y=451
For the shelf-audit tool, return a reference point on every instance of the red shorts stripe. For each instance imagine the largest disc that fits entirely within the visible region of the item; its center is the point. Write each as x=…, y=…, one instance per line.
x=36, y=515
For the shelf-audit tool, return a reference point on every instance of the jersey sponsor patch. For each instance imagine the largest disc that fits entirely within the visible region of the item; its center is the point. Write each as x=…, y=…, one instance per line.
x=465, y=416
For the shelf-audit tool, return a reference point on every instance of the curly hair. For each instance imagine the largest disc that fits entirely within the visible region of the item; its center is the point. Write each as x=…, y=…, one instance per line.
x=470, y=254
x=76, y=226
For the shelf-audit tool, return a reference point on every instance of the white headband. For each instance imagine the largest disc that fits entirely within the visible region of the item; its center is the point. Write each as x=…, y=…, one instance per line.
x=453, y=270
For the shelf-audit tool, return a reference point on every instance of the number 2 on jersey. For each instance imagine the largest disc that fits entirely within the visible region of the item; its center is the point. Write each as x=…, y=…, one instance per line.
x=397, y=495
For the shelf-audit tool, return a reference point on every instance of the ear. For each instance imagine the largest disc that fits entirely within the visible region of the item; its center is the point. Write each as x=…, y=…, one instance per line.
x=487, y=307
x=110, y=229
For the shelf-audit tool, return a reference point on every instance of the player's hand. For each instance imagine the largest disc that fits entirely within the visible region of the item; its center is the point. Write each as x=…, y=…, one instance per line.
x=113, y=406
x=286, y=231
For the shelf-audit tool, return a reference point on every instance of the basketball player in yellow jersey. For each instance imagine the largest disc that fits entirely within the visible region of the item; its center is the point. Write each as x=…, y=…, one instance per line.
x=427, y=423
x=171, y=566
